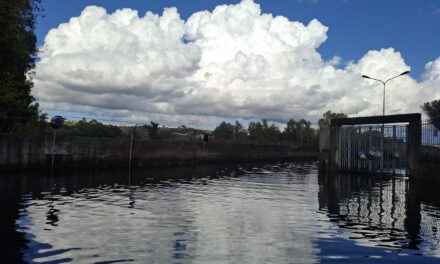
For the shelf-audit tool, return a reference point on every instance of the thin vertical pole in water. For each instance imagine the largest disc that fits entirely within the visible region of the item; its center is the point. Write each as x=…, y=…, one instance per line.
x=130, y=155
x=131, y=148
x=53, y=149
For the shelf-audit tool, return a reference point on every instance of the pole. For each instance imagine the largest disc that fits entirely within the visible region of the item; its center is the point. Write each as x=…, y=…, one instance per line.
x=383, y=114
x=384, y=82
x=383, y=110
x=131, y=148
x=383, y=133
x=53, y=149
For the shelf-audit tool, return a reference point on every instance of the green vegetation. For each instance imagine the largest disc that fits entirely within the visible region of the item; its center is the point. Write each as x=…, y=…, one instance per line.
x=432, y=109
x=329, y=115
x=261, y=131
x=227, y=131
x=17, y=58
x=299, y=133
x=91, y=128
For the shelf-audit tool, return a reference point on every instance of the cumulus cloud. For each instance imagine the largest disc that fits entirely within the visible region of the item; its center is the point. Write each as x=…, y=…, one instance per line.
x=233, y=62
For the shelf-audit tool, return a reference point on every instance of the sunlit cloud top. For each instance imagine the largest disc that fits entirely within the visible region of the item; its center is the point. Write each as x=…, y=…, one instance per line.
x=232, y=63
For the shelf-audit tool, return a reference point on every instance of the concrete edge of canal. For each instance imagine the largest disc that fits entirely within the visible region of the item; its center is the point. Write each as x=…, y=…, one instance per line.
x=18, y=152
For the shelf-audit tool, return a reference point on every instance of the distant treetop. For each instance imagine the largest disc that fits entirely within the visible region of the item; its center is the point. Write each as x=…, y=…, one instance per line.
x=432, y=109
x=328, y=116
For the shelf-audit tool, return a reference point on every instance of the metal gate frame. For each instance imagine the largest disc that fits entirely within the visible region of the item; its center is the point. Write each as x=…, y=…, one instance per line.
x=373, y=149
x=413, y=137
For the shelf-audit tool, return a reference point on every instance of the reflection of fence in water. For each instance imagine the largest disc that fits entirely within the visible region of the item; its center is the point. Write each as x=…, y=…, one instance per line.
x=360, y=148
x=384, y=211
x=430, y=228
x=382, y=206
x=377, y=214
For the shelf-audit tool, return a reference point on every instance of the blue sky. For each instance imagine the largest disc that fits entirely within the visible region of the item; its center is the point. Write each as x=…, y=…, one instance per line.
x=412, y=27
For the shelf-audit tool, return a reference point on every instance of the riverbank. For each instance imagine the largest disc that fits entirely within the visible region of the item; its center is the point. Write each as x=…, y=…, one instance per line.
x=26, y=152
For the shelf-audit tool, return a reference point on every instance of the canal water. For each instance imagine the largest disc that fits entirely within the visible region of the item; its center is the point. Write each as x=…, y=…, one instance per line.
x=255, y=213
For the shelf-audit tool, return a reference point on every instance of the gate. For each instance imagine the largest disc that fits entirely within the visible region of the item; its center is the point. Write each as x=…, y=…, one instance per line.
x=375, y=144
x=373, y=149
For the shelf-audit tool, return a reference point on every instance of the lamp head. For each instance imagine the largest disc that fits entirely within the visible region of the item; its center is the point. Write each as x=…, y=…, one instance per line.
x=405, y=72
x=366, y=77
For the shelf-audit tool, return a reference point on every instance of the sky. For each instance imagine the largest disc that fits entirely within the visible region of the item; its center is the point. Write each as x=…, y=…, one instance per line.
x=207, y=61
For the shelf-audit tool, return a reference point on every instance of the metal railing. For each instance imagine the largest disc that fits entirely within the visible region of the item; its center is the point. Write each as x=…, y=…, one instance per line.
x=373, y=148
x=430, y=134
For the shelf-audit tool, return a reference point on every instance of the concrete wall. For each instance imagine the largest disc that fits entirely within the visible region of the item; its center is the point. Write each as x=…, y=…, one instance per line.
x=324, y=138
x=24, y=152
x=429, y=163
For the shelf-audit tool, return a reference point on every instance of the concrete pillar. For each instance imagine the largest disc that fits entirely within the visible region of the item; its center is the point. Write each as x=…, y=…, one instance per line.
x=334, y=141
x=414, y=144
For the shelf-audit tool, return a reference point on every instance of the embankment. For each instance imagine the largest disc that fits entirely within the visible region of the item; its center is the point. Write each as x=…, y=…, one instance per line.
x=35, y=152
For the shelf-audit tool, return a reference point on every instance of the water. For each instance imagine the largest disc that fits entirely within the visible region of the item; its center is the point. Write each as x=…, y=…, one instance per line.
x=255, y=213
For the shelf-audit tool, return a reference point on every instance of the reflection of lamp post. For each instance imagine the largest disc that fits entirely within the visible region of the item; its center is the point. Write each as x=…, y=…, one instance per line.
x=384, y=83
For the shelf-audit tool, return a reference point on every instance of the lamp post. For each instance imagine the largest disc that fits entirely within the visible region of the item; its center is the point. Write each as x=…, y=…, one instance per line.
x=384, y=83
x=383, y=114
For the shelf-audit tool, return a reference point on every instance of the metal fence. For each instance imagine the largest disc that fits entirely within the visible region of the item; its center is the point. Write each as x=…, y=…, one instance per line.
x=373, y=148
x=430, y=134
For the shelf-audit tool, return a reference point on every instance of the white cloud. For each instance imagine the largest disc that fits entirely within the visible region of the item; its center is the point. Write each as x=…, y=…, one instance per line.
x=233, y=62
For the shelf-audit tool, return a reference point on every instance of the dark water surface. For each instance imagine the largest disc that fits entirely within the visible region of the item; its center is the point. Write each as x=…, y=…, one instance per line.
x=260, y=213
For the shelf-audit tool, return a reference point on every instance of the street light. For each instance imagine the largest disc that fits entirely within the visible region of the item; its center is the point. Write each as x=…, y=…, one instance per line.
x=383, y=113
x=384, y=83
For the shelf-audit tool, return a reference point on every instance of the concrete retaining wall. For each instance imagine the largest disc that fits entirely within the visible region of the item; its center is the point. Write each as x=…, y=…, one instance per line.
x=429, y=163
x=25, y=152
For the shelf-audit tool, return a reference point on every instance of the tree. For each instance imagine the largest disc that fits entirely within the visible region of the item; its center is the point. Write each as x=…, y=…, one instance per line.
x=91, y=128
x=261, y=131
x=328, y=116
x=272, y=133
x=225, y=131
x=307, y=133
x=153, y=130
x=299, y=132
x=432, y=109
x=239, y=132
x=290, y=132
x=17, y=58
x=256, y=131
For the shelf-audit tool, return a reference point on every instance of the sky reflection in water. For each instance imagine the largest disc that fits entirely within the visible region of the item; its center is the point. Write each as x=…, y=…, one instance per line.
x=255, y=213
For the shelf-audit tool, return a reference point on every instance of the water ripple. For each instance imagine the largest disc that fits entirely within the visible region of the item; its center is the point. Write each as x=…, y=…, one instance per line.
x=279, y=213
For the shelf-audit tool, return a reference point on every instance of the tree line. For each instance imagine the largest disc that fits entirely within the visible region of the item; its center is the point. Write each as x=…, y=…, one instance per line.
x=18, y=53
x=296, y=132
